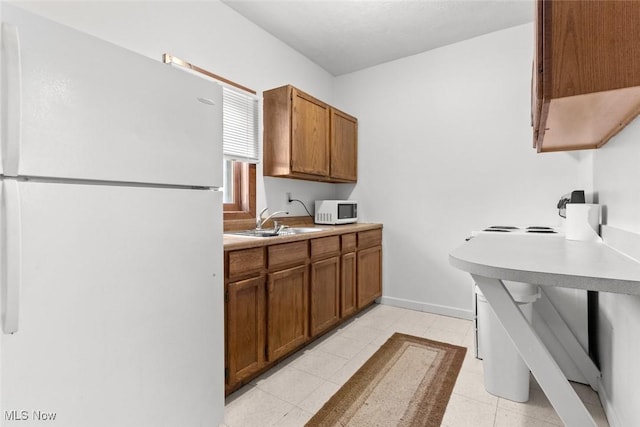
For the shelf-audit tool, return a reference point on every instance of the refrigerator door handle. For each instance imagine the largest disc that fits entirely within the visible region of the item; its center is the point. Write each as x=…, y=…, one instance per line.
x=12, y=103
x=12, y=257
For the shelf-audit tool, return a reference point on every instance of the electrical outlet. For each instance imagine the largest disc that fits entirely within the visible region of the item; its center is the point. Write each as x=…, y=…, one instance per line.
x=288, y=198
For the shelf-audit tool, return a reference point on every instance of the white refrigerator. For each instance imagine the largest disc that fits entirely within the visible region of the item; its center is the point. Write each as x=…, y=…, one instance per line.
x=111, y=235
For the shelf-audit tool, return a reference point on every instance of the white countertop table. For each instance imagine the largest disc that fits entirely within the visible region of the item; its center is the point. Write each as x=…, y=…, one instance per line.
x=544, y=261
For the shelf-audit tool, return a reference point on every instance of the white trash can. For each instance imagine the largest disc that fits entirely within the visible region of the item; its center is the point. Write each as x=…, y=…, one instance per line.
x=505, y=373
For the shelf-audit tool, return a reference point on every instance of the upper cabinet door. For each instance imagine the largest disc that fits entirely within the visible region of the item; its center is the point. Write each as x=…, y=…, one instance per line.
x=344, y=146
x=310, y=138
x=82, y=108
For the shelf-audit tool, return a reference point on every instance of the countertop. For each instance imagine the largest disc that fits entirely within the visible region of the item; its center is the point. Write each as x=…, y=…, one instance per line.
x=549, y=261
x=234, y=242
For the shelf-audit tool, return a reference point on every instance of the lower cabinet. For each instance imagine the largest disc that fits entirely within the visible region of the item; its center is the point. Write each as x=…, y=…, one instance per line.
x=279, y=297
x=369, y=266
x=287, y=308
x=348, y=294
x=369, y=275
x=325, y=294
x=245, y=328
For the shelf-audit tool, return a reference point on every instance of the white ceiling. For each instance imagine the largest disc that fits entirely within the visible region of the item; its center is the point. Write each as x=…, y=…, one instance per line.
x=350, y=35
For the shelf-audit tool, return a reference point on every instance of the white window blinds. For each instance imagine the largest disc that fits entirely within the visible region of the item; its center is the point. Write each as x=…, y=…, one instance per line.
x=240, y=126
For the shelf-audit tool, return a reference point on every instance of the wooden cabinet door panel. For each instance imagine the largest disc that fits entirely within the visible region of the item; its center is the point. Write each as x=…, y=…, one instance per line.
x=344, y=146
x=245, y=328
x=325, y=294
x=369, y=275
x=310, y=139
x=287, y=311
x=348, y=300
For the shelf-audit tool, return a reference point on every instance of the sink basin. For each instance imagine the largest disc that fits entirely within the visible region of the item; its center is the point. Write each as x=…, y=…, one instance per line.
x=254, y=233
x=300, y=230
x=269, y=232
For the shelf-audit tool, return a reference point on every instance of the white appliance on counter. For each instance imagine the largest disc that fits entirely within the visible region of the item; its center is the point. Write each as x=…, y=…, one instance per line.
x=570, y=304
x=111, y=235
x=336, y=212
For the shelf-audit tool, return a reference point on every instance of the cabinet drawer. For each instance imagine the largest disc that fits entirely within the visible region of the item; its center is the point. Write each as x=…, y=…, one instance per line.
x=348, y=242
x=245, y=262
x=367, y=239
x=287, y=254
x=325, y=246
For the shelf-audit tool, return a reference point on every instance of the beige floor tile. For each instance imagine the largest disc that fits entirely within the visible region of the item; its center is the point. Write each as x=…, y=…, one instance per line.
x=445, y=335
x=471, y=385
x=537, y=407
x=255, y=408
x=319, y=363
x=342, y=346
x=471, y=364
x=383, y=337
x=409, y=326
x=294, y=418
x=351, y=367
x=421, y=317
x=319, y=397
x=356, y=331
x=289, y=384
x=469, y=339
x=505, y=418
x=459, y=326
x=464, y=412
x=380, y=317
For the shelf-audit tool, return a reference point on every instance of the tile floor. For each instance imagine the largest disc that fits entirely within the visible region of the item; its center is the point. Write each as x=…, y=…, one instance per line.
x=292, y=391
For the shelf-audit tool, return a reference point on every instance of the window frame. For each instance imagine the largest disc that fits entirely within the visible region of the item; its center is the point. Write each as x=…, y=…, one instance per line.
x=244, y=193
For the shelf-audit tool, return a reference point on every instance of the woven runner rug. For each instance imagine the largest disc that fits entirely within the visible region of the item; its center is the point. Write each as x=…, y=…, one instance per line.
x=407, y=382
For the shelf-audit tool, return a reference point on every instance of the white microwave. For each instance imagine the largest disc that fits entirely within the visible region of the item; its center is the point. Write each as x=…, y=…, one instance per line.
x=336, y=212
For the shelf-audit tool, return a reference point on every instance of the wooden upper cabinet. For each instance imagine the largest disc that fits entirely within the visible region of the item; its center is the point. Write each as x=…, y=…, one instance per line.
x=586, y=76
x=344, y=146
x=305, y=138
x=310, y=139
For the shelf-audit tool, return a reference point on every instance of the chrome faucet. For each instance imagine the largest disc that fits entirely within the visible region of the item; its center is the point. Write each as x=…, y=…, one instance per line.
x=260, y=221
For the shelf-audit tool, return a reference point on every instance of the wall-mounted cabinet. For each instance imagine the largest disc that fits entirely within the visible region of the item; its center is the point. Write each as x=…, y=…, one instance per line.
x=305, y=138
x=586, y=76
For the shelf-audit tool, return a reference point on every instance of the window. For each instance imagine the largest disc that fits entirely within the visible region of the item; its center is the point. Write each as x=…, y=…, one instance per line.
x=239, y=190
x=240, y=141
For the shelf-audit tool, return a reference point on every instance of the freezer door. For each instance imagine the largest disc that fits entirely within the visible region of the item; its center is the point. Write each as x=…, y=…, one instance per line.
x=81, y=108
x=120, y=307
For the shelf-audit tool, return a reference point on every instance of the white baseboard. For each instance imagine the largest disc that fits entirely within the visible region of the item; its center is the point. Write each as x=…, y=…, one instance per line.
x=428, y=308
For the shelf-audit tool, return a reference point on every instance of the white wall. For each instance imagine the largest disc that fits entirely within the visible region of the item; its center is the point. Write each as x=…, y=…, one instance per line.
x=617, y=184
x=444, y=149
x=212, y=36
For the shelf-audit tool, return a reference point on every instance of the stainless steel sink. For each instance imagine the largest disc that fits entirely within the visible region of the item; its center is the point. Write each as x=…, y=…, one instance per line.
x=269, y=232
x=299, y=230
